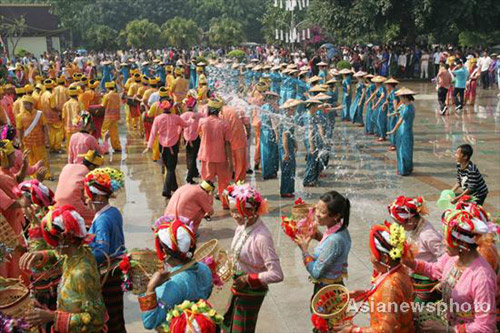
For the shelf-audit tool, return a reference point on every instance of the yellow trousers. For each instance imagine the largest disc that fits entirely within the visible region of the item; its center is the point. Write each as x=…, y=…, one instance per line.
x=56, y=135
x=127, y=116
x=112, y=127
x=136, y=123
x=36, y=154
x=155, y=154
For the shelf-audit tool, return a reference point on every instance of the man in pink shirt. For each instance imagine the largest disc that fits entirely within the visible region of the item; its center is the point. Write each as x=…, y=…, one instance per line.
x=82, y=141
x=193, y=202
x=239, y=134
x=215, y=149
x=443, y=84
x=168, y=127
x=70, y=190
x=192, y=139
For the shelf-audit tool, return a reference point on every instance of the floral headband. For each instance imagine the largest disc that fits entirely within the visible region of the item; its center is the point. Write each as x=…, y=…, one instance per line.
x=388, y=238
x=245, y=196
x=176, y=236
x=103, y=181
x=63, y=221
x=462, y=225
x=404, y=208
x=39, y=193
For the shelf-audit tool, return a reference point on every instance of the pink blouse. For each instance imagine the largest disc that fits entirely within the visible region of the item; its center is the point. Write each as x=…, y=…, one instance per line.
x=429, y=242
x=79, y=144
x=258, y=255
x=476, y=287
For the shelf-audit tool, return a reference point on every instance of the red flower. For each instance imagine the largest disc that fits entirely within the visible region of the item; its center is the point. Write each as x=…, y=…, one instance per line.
x=319, y=323
x=299, y=201
x=125, y=264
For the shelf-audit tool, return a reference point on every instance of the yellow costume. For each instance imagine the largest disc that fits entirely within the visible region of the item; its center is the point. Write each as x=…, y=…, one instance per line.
x=132, y=93
x=48, y=105
x=60, y=94
x=70, y=112
x=111, y=104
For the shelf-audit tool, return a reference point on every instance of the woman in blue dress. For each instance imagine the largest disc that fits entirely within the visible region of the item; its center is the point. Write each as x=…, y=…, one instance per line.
x=392, y=115
x=288, y=148
x=356, y=111
x=377, y=100
x=346, y=93
x=369, y=103
x=268, y=136
x=175, y=244
x=275, y=80
x=404, y=132
x=302, y=89
x=285, y=82
x=313, y=140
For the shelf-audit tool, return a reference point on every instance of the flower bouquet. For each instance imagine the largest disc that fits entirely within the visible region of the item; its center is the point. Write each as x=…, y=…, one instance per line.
x=199, y=316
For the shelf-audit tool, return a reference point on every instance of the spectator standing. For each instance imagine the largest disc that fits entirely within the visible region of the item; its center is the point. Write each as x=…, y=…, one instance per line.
x=461, y=75
x=443, y=84
x=484, y=64
x=424, y=65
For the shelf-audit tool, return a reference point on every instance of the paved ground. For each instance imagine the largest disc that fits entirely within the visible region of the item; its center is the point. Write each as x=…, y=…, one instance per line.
x=362, y=168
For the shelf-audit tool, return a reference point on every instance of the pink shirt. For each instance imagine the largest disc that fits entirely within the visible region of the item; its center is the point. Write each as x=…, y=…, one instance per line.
x=477, y=285
x=191, y=132
x=168, y=127
x=444, y=79
x=190, y=201
x=429, y=242
x=81, y=143
x=258, y=255
x=70, y=190
x=236, y=123
x=214, y=133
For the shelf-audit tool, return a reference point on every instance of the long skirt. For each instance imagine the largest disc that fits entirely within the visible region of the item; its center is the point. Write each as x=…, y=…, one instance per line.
x=113, y=299
x=287, y=183
x=243, y=311
x=404, y=152
x=356, y=111
x=382, y=122
x=269, y=153
x=392, y=123
x=313, y=169
x=368, y=119
x=347, y=107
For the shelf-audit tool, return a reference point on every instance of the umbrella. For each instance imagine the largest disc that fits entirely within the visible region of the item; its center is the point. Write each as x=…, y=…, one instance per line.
x=327, y=46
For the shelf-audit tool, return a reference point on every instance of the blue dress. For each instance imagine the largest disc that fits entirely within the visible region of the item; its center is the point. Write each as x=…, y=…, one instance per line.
x=193, y=284
x=314, y=165
x=302, y=88
x=356, y=111
x=376, y=111
x=125, y=73
x=275, y=82
x=192, y=76
x=382, y=118
x=330, y=116
x=268, y=144
x=369, y=111
x=404, y=141
x=106, y=76
x=285, y=82
x=160, y=72
x=287, y=183
x=347, y=97
x=145, y=70
x=323, y=74
x=392, y=121
x=109, y=239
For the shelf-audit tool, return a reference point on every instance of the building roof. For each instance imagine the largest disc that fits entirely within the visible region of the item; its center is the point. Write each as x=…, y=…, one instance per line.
x=39, y=20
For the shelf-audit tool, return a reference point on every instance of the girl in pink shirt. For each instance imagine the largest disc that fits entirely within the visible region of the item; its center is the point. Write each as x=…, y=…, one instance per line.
x=467, y=281
x=256, y=263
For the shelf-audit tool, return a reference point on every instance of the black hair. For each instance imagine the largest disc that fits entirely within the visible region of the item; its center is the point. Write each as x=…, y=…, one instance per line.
x=88, y=164
x=337, y=204
x=213, y=111
x=466, y=150
x=176, y=255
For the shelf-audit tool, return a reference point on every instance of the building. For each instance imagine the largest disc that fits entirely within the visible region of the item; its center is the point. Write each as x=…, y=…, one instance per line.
x=39, y=33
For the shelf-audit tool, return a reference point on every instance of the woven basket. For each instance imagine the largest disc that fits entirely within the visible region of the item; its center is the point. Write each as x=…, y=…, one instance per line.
x=146, y=263
x=335, y=299
x=300, y=211
x=15, y=302
x=7, y=234
x=224, y=266
x=209, y=248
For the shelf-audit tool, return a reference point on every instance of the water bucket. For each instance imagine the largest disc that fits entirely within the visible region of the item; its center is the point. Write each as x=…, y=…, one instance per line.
x=444, y=201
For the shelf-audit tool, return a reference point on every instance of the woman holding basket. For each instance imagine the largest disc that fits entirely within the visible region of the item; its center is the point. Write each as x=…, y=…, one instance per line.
x=328, y=264
x=256, y=263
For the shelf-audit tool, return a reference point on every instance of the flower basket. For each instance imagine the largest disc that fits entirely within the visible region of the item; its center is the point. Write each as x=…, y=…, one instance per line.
x=301, y=211
x=330, y=303
x=143, y=264
x=206, y=249
x=8, y=239
x=15, y=300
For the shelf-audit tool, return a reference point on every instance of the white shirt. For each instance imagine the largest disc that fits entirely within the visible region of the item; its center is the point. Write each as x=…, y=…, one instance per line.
x=484, y=63
x=437, y=56
x=402, y=60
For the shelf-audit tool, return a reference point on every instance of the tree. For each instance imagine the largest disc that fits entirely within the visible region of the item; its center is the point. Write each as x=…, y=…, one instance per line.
x=100, y=37
x=224, y=32
x=180, y=32
x=13, y=31
x=142, y=34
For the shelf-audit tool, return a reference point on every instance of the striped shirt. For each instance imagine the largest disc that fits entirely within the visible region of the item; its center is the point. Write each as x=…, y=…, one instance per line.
x=471, y=179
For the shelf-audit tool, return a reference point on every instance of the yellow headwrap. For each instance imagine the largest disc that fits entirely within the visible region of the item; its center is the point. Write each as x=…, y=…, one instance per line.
x=6, y=148
x=92, y=157
x=215, y=103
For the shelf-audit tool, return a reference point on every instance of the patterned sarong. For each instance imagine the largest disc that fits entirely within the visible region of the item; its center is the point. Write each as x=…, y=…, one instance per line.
x=113, y=299
x=241, y=315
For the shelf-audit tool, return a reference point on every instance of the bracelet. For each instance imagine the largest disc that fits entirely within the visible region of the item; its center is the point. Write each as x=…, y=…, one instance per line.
x=308, y=259
x=147, y=302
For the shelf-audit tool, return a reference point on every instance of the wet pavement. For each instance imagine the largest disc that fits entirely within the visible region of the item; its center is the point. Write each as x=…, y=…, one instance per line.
x=360, y=167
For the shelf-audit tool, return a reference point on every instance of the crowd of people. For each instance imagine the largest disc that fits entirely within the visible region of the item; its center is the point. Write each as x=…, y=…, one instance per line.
x=216, y=109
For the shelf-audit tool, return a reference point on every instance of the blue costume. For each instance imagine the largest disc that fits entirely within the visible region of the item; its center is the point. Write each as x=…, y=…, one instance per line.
x=376, y=111
x=330, y=116
x=106, y=76
x=108, y=230
x=248, y=77
x=323, y=74
x=346, y=97
x=193, y=284
x=314, y=165
x=268, y=144
x=330, y=257
x=284, y=87
x=302, y=88
x=356, y=111
x=192, y=76
x=369, y=111
x=287, y=183
x=404, y=140
x=382, y=117
x=392, y=121
x=125, y=73
x=288, y=89
x=160, y=72
x=145, y=70
x=275, y=82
